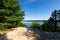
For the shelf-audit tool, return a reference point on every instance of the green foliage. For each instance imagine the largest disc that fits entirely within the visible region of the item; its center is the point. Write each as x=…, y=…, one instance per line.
x=10, y=14
x=35, y=25
x=58, y=28
x=49, y=25
x=45, y=27
x=21, y=24
x=5, y=26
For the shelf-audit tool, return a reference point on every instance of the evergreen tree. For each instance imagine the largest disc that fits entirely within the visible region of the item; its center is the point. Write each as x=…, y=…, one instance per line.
x=11, y=14
x=51, y=24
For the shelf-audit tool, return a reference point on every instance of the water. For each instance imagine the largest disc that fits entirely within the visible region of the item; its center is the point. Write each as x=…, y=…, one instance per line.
x=28, y=24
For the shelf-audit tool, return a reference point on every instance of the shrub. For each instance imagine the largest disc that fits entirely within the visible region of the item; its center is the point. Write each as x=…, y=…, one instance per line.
x=58, y=29
x=21, y=25
x=35, y=25
x=4, y=26
x=44, y=27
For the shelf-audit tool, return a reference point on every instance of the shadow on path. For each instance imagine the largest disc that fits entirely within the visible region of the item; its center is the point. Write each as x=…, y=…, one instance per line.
x=3, y=37
x=34, y=32
x=41, y=35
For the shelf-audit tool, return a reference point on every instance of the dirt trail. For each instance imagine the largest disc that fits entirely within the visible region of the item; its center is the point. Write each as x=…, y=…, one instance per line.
x=21, y=33
x=18, y=34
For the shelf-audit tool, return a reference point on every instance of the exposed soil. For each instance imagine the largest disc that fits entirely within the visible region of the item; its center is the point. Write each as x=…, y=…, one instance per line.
x=22, y=33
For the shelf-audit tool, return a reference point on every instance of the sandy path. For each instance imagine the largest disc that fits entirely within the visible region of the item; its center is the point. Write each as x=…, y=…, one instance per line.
x=29, y=34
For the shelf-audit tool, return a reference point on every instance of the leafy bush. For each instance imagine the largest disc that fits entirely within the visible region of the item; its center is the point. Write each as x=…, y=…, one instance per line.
x=35, y=25
x=58, y=29
x=48, y=27
x=44, y=27
x=4, y=26
x=21, y=25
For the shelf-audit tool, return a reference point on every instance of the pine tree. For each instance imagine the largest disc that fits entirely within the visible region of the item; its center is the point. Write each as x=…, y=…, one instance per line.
x=11, y=14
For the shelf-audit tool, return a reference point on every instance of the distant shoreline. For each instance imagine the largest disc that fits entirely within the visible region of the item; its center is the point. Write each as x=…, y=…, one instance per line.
x=34, y=20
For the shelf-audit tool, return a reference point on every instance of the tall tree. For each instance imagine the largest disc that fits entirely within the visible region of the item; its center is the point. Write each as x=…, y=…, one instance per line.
x=54, y=16
x=10, y=13
x=52, y=22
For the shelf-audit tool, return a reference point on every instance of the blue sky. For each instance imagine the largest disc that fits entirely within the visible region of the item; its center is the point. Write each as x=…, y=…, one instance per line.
x=39, y=9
